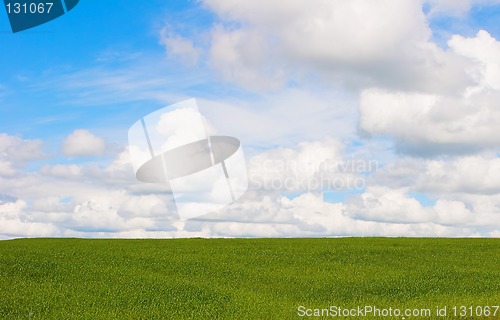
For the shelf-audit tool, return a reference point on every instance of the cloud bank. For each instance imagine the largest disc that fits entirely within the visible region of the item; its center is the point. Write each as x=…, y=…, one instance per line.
x=323, y=89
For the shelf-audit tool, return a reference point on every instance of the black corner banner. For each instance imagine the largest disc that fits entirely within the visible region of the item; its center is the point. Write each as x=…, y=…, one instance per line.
x=28, y=14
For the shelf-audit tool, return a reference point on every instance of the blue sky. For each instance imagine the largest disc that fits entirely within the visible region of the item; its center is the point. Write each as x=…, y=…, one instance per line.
x=413, y=86
x=96, y=39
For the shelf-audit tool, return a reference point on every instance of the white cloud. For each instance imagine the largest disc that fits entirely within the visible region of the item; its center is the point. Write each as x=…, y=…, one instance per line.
x=388, y=205
x=310, y=166
x=465, y=121
x=318, y=31
x=106, y=204
x=484, y=53
x=423, y=121
x=83, y=200
x=71, y=170
x=14, y=222
x=382, y=204
x=355, y=43
x=453, y=213
x=283, y=119
x=83, y=143
x=179, y=48
x=309, y=215
x=495, y=234
x=98, y=214
x=150, y=205
x=430, y=100
x=6, y=169
x=471, y=174
x=16, y=152
x=465, y=190
x=244, y=57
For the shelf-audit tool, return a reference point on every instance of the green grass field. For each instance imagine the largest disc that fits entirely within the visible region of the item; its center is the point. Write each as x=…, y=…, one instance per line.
x=242, y=278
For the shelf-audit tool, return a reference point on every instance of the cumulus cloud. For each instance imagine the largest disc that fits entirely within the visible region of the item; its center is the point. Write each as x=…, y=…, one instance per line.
x=105, y=201
x=353, y=43
x=310, y=215
x=20, y=150
x=375, y=30
x=240, y=56
x=464, y=188
x=484, y=53
x=429, y=99
x=430, y=124
x=388, y=205
x=15, y=222
x=81, y=142
x=81, y=200
x=443, y=123
x=383, y=204
x=471, y=174
x=56, y=204
x=310, y=166
x=16, y=152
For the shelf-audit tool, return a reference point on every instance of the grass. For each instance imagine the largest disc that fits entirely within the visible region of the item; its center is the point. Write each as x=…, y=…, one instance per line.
x=241, y=278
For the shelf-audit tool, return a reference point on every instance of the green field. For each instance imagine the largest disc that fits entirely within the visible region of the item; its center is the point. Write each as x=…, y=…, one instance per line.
x=243, y=278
